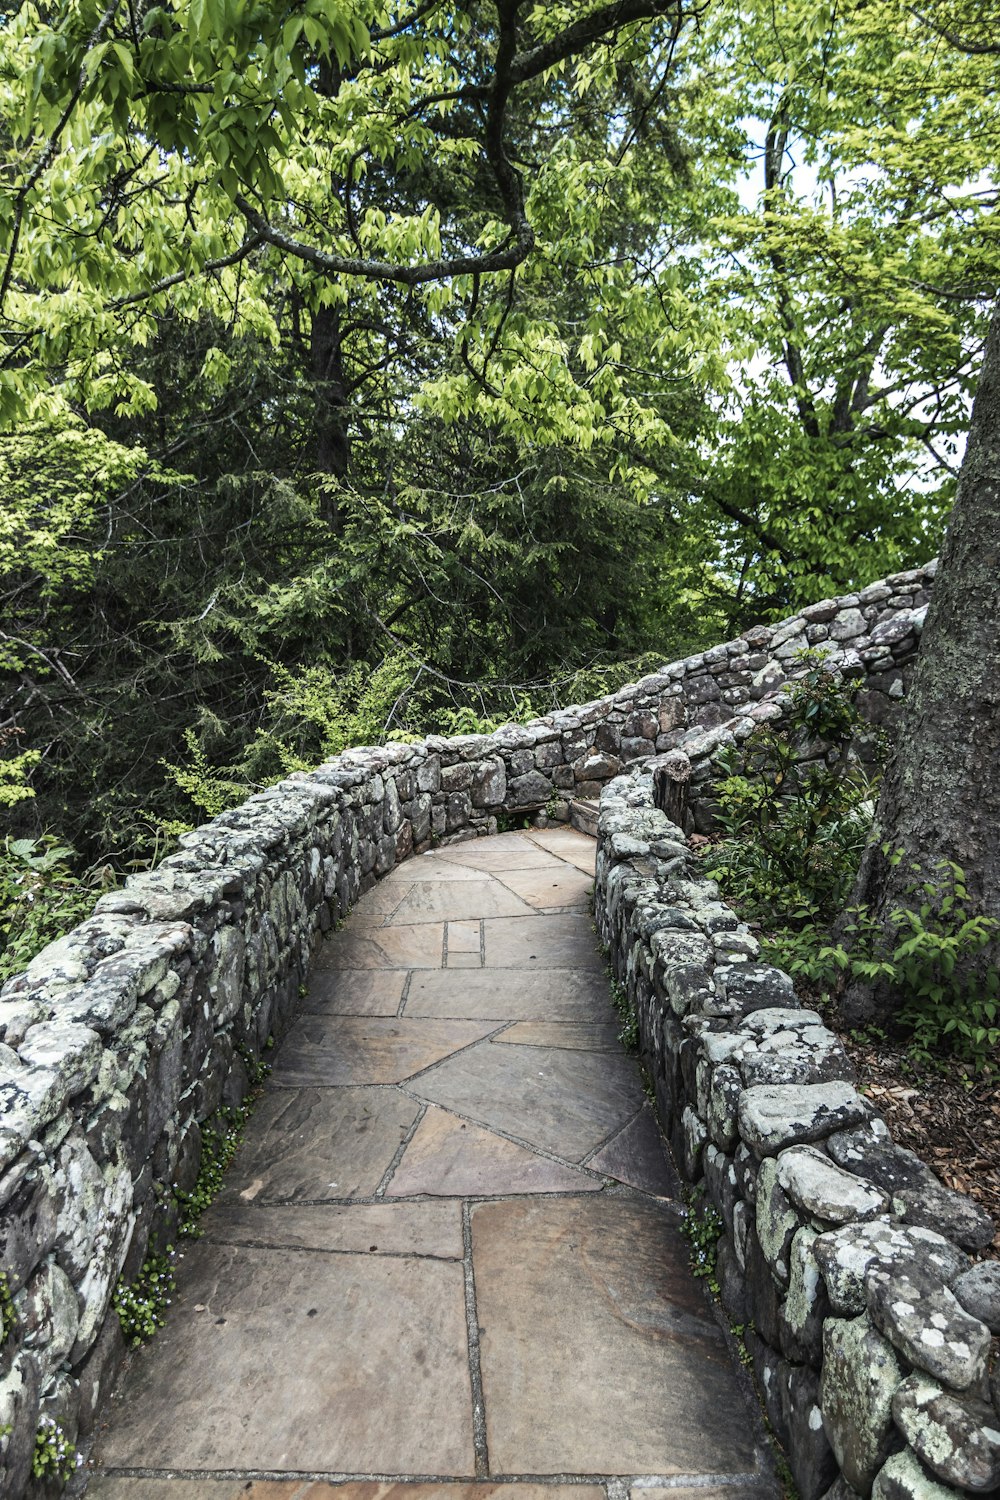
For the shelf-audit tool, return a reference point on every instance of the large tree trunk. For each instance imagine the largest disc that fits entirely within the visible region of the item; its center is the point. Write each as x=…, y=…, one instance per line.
x=331, y=421
x=941, y=795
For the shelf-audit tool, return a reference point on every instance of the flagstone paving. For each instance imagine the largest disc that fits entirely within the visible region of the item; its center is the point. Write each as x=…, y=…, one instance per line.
x=446, y=1260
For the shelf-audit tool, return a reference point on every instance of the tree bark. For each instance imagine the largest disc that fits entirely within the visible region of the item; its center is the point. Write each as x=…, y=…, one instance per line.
x=331, y=422
x=941, y=796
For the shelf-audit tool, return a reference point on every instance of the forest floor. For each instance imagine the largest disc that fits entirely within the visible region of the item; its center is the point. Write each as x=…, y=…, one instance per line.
x=951, y=1119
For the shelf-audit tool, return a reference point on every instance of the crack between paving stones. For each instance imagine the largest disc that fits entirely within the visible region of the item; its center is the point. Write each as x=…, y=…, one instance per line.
x=601, y=1145
x=475, y=1366
x=338, y=1476
x=411, y=1077
x=398, y=1155
x=285, y=1245
x=612, y=1188
x=505, y=1135
x=406, y=993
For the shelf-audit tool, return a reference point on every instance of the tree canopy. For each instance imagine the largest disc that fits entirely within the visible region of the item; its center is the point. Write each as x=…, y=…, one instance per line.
x=352, y=353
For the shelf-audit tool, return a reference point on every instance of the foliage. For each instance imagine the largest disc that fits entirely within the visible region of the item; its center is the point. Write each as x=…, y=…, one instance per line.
x=54, y=1457
x=41, y=897
x=8, y=1312
x=793, y=804
x=142, y=1306
x=702, y=1227
x=218, y=1147
x=924, y=952
x=627, y=1014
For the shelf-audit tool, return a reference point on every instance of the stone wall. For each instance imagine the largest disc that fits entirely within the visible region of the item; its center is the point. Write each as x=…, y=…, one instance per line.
x=845, y=1259
x=121, y=1041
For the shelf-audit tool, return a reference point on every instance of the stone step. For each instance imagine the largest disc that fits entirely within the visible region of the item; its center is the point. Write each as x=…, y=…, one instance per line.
x=583, y=816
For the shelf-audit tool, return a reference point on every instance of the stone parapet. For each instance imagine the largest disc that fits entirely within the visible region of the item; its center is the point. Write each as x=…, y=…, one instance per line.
x=843, y=1257
x=121, y=1042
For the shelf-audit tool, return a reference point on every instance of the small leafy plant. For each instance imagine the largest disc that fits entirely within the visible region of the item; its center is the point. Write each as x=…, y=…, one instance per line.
x=627, y=1014
x=926, y=951
x=41, y=897
x=794, y=805
x=55, y=1455
x=702, y=1227
x=142, y=1306
x=218, y=1147
x=8, y=1313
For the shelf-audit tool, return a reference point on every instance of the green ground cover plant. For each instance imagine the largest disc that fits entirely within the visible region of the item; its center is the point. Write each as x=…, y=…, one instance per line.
x=795, y=809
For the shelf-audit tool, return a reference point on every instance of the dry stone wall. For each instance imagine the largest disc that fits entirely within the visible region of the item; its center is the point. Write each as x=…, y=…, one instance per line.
x=869, y=1327
x=121, y=1042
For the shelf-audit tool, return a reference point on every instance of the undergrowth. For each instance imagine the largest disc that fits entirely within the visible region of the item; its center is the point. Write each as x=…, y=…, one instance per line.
x=795, y=807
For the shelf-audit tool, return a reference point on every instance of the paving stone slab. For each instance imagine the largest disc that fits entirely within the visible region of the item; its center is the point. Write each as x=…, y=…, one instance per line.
x=505, y=995
x=599, y=1353
x=565, y=843
x=637, y=1156
x=563, y=941
x=329, y=1051
x=433, y=1229
x=544, y=888
x=113, y=1487
x=703, y=1492
x=452, y=1157
x=419, y=945
x=355, y=992
x=458, y=900
x=479, y=854
x=381, y=901
x=594, y=1036
x=427, y=867
x=565, y=1102
x=369, y=1375
x=319, y=1143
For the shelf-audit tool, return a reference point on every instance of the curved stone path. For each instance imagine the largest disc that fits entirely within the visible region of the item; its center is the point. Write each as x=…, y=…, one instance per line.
x=445, y=1261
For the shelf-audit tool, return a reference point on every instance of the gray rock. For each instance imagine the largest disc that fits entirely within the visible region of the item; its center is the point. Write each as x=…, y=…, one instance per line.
x=810, y=1456
x=978, y=1290
x=531, y=790
x=772, y=1116
x=723, y=1102
x=806, y=1304
x=819, y=1187
x=861, y=1372
x=846, y=1255
x=489, y=786
x=903, y=1477
x=796, y=1054
x=927, y=1324
x=777, y=1220
x=918, y=1197
x=955, y=1436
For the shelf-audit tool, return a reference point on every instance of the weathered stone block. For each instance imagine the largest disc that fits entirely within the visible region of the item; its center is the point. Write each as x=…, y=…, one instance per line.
x=955, y=1436
x=774, y=1116
x=928, y=1325
x=861, y=1372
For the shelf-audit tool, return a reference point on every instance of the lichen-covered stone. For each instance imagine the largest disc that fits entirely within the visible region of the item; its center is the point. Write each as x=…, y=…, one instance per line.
x=928, y=1325
x=978, y=1290
x=776, y=1219
x=861, y=1371
x=917, y=1195
x=957, y=1437
x=789, y=1047
x=903, y=1477
x=806, y=1303
x=846, y=1255
x=820, y=1188
x=772, y=1116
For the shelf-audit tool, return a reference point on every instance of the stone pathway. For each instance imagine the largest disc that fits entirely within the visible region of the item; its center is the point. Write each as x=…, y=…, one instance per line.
x=446, y=1261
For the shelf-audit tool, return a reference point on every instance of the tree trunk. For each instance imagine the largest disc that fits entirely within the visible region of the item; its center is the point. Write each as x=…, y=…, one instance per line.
x=941, y=796
x=331, y=422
